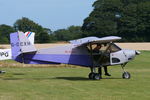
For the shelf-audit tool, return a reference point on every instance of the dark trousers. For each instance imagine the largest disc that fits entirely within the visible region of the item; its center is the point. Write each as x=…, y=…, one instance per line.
x=100, y=70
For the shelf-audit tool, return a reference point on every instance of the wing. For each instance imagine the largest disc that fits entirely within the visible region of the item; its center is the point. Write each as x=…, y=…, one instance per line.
x=87, y=40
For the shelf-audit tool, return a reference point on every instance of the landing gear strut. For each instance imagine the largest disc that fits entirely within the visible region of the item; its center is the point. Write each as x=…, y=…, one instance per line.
x=93, y=75
x=125, y=75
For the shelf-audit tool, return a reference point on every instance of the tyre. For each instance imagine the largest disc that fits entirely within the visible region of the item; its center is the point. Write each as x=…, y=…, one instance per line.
x=126, y=75
x=96, y=76
x=91, y=75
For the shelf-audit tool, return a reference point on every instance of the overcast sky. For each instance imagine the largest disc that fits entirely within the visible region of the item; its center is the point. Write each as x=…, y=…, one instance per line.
x=53, y=14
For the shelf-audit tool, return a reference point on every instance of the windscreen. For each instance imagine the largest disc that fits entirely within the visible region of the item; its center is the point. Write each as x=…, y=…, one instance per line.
x=114, y=48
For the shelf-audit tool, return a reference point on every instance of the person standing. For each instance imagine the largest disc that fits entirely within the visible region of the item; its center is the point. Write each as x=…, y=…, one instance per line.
x=96, y=57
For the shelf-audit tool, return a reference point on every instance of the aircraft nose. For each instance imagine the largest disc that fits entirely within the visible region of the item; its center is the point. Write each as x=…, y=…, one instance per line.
x=137, y=52
x=130, y=54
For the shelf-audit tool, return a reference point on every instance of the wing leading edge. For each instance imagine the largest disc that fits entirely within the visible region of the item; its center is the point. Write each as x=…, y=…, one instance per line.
x=94, y=40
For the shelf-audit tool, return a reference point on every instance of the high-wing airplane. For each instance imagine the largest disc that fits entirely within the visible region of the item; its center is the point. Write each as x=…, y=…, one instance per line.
x=78, y=52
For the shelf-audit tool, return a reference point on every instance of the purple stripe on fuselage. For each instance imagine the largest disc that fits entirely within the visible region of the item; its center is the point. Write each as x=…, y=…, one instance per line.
x=82, y=60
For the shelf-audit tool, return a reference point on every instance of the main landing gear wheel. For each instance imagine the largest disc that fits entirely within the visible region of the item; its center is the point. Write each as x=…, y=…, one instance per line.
x=126, y=75
x=91, y=75
x=94, y=76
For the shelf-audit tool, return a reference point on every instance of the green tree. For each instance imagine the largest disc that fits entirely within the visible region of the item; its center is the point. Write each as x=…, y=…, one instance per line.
x=44, y=37
x=26, y=24
x=62, y=35
x=143, y=25
x=102, y=20
x=126, y=18
x=75, y=32
x=5, y=30
x=72, y=32
x=135, y=21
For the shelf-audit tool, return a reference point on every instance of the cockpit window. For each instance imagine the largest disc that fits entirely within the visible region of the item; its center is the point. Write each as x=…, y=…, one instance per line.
x=100, y=47
x=114, y=48
x=104, y=47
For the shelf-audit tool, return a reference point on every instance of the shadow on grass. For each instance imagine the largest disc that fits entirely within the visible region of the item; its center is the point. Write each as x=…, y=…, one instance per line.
x=64, y=78
x=112, y=78
x=18, y=74
x=25, y=79
x=82, y=78
x=73, y=78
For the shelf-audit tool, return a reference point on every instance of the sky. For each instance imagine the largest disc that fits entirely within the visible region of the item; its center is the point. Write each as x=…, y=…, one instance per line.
x=52, y=14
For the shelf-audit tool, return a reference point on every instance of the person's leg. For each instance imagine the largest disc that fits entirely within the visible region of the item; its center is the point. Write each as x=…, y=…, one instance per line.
x=100, y=71
x=106, y=71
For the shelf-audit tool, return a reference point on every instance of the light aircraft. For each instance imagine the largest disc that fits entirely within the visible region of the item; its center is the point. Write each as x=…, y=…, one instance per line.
x=78, y=52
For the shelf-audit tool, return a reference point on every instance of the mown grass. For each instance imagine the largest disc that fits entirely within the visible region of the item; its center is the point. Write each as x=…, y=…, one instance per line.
x=72, y=83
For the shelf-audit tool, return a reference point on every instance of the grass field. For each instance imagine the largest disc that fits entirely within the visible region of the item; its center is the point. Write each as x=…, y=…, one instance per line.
x=72, y=83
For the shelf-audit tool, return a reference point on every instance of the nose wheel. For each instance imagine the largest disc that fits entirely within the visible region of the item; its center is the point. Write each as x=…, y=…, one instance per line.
x=125, y=75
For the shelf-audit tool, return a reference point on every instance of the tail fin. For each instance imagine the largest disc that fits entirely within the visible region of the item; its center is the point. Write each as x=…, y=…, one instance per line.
x=20, y=44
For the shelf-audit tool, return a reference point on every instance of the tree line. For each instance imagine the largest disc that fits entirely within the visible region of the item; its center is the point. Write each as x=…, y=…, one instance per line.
x=42, y=35
x=129, y=19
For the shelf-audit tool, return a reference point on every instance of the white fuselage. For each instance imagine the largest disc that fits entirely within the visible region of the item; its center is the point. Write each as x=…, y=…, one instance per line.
x=122, y=56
